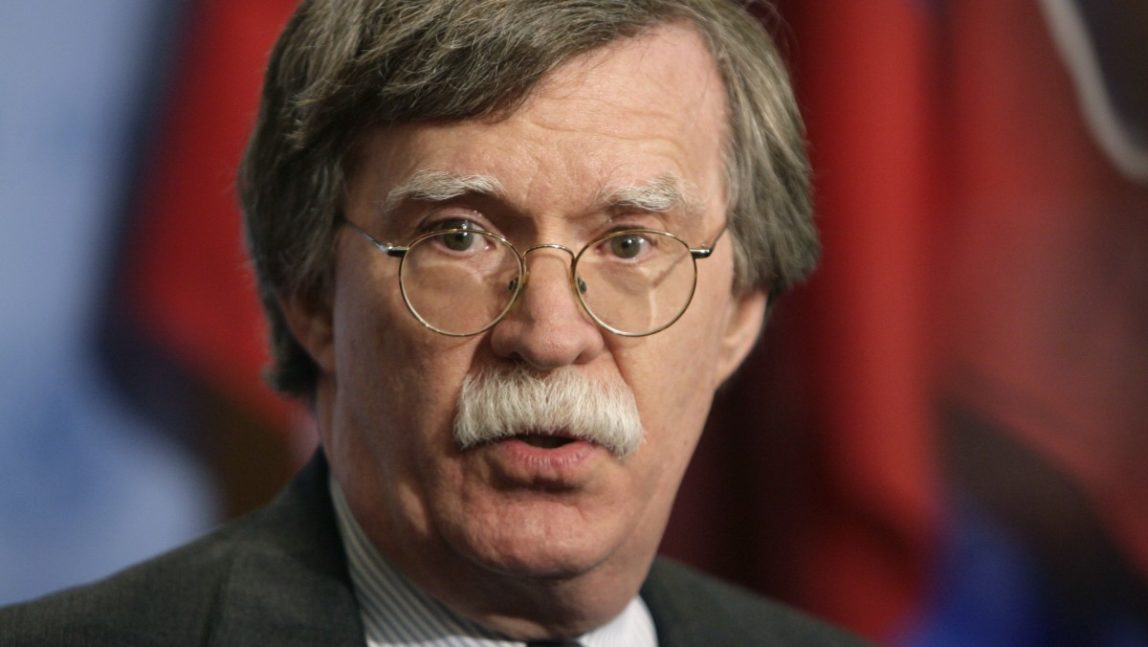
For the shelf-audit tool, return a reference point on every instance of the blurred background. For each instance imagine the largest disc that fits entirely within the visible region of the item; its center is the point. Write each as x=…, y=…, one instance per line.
x=942, y=439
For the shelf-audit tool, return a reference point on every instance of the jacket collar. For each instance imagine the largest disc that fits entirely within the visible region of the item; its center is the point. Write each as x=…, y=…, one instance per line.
x=288, y=583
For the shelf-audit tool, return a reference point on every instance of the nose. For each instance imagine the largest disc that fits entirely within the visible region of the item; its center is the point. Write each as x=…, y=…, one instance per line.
x=547, y=327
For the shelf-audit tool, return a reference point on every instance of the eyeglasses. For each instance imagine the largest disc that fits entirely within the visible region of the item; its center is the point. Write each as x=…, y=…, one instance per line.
x=463, y=280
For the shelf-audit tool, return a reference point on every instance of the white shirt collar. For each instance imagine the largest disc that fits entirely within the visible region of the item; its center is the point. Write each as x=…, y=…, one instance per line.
x=395, y=613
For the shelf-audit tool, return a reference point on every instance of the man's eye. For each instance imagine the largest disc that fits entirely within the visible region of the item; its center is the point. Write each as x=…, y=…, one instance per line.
x=628, y=246
x=444, y=224
x=457, y=234
x=460, y=241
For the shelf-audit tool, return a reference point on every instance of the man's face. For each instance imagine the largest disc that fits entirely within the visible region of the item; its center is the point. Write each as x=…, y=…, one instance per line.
x=638, y=112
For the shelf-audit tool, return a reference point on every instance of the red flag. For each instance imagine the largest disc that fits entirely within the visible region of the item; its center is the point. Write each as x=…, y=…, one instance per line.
x=188, y=280
x=1046, y=293
x=864, y=73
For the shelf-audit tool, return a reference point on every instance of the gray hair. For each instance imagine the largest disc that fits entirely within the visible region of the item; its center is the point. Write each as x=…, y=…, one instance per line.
x=342, y=67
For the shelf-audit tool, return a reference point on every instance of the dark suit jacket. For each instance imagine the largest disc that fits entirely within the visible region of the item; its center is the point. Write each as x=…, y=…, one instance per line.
x=279, y=577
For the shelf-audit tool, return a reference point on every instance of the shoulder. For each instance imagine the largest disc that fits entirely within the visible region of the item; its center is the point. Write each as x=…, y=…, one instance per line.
x=690, y=608
x=280, y=571
x=165, y=600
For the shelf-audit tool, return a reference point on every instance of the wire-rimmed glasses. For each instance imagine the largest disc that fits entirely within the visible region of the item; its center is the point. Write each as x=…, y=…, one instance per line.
x=462, y=281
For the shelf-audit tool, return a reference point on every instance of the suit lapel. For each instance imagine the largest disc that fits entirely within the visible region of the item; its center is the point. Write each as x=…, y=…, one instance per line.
x=288, y=583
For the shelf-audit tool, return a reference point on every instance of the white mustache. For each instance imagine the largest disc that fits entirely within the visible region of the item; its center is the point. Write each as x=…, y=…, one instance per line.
x=501, y=402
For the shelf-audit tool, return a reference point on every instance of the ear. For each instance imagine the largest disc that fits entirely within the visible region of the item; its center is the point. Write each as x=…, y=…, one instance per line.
x=743, y=322
x=310, y=324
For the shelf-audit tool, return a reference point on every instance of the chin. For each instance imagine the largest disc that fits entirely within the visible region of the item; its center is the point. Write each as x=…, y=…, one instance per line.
x=541, y=565
x=541, y=548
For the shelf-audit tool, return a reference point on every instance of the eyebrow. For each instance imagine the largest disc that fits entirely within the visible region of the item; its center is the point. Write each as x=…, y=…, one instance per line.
x=661, y=194
x=439, y=186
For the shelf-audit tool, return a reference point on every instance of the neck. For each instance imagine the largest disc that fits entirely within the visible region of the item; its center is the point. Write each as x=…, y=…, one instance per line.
x=517, y=605
x=527, y=607
x=556, y=609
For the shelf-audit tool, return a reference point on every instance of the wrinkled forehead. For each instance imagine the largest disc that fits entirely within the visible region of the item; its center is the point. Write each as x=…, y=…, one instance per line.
x=639, y=123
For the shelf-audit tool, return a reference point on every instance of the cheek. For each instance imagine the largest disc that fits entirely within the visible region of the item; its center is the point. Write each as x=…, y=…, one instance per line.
x=673, y=381
x=673, y=397
x=397, y=413
x=396, y=381
x=673, y=408
x=680, y=361
x=674, y=373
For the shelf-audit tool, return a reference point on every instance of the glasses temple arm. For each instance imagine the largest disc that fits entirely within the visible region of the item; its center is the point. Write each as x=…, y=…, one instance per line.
x=396, y=251
x=706, y=252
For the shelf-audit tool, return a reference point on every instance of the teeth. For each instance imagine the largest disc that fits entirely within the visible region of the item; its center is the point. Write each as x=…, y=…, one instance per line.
x=545, y=442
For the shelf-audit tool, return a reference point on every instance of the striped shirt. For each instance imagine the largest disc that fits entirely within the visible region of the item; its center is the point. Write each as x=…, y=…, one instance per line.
x=395, y=613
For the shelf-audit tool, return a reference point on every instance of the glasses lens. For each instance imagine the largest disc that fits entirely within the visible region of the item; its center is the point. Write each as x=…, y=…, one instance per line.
x=636, y=282
x=459, y=281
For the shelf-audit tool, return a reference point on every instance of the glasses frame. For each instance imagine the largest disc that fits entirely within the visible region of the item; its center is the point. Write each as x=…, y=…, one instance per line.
x=400, y=252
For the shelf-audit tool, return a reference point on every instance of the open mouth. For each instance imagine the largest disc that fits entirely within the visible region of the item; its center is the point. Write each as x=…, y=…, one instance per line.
x=545, y=441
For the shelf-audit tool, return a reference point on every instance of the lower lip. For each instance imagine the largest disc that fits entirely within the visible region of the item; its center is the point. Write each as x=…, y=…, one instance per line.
x=557, y=463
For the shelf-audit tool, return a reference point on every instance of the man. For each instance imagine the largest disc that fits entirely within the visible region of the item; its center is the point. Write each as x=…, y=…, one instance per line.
x=508, y=250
